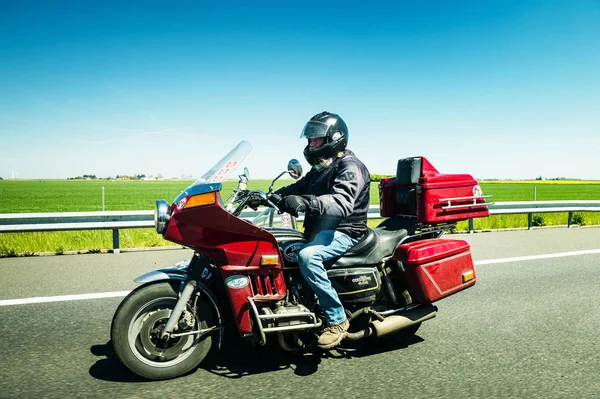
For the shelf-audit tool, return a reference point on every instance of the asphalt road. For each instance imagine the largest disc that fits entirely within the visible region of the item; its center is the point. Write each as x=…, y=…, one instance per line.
x=527, y=329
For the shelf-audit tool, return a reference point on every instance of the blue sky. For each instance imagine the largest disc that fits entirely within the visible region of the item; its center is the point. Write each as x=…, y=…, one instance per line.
x=498, y=89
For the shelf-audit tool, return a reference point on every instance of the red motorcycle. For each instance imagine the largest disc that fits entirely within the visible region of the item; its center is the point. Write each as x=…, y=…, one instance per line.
x=245, y=275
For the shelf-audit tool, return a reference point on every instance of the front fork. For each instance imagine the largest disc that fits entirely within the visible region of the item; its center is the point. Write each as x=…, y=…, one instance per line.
x=194, y=272
x=185, y=296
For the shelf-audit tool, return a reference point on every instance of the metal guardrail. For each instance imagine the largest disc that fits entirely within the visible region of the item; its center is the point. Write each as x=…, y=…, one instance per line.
x=531, y=207
x=66, y=221
x=63, y=221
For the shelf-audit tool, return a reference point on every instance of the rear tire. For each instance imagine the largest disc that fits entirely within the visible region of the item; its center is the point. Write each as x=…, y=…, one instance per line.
x=136, y=328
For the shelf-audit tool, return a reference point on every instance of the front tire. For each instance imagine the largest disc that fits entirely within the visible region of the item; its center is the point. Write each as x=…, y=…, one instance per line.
x=136, y=328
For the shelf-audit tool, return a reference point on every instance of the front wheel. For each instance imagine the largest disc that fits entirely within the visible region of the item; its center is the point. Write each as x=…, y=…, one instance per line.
x=137, y=326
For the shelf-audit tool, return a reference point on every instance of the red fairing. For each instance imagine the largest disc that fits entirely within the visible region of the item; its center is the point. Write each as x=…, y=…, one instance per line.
x=212, y=229
x=436, y=268
x=238, y=298
x=264, y=284
x=237, y=246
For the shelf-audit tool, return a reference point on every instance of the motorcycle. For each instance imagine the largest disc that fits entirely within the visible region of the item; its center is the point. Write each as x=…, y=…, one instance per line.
x=244, y=274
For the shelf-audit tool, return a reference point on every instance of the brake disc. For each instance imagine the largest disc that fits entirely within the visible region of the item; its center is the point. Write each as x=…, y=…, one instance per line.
x=151, y=329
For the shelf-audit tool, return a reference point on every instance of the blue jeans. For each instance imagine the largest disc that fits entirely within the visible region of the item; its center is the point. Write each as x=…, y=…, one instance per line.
x=326, y=245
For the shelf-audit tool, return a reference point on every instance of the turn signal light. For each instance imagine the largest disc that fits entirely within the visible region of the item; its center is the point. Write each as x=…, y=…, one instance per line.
x=269, y=260
x=468, y=276
x=201, y=200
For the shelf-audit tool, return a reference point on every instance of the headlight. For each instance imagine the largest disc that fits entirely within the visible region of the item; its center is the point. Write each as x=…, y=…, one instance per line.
x=162, y=214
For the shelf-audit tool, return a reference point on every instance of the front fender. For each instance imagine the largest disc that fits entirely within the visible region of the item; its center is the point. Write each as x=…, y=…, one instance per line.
x=162, y=274
x=176, y=272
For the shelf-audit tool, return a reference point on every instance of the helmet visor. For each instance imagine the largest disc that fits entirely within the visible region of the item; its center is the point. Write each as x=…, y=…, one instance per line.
x=314, y=129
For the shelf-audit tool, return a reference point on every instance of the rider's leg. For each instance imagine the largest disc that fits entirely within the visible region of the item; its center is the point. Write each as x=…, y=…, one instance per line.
x=326, y=245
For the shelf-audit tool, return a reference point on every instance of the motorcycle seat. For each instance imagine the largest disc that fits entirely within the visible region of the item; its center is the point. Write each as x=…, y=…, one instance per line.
x=377, y=244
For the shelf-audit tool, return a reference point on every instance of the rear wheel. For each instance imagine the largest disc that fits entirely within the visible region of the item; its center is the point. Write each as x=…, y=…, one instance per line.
x=138, y=324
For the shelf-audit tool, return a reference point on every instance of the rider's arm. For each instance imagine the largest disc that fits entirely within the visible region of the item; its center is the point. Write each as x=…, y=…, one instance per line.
x=297, y=188
x=345, y=188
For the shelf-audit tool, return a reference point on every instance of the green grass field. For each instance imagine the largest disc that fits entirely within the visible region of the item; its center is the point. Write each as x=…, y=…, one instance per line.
x=19, y=196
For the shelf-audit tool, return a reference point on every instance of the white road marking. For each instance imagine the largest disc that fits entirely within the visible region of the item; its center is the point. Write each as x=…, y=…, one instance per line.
x=117, y=294
x=63, y=298
x=536, y=257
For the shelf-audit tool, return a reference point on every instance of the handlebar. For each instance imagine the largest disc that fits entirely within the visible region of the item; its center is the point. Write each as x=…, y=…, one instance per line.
x=245, y=196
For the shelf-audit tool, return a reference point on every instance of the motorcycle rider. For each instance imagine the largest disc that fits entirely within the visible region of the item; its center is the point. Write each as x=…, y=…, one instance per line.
x=335, y=197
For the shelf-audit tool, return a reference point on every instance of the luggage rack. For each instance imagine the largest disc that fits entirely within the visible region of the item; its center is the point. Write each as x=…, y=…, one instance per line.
x=430, y=228
x=420, y=229
x=474, y=204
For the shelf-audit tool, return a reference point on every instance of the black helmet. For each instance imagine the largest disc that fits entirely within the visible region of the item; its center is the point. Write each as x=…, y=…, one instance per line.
x=335, y=131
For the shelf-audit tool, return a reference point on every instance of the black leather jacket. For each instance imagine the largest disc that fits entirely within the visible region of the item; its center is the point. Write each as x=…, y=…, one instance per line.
x=342, y=197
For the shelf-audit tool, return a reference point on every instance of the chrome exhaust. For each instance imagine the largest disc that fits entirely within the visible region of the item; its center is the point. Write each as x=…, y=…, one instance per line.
x=394, y=322
x=406, y=319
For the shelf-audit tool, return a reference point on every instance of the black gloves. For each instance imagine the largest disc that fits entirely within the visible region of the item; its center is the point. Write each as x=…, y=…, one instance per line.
x=275, y=198
x=255, y=201
x=293, y=204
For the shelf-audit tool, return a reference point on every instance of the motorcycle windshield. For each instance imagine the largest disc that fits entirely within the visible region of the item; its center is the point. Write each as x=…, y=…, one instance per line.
x=222, y=169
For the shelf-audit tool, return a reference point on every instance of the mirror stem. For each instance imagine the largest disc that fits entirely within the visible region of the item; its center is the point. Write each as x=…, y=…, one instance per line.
x=273, y=182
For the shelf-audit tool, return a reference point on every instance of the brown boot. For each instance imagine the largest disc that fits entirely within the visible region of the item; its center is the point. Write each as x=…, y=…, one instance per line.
x=333, y=335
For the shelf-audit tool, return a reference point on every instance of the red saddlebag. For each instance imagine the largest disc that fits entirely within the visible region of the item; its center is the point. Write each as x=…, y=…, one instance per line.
x=436, y=268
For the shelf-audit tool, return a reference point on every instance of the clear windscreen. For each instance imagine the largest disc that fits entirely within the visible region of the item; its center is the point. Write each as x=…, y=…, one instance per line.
x=222, y=169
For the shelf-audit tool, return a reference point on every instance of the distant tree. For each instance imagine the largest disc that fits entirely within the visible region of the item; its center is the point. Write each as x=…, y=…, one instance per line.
x=140, y=177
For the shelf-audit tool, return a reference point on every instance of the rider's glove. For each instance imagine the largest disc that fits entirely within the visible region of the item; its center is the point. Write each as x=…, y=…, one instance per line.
x=293, y=204
x=255, y=201
x=275, y=198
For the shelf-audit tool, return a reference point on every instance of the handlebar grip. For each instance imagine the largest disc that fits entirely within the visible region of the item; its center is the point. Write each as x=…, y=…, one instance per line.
x=275, y=198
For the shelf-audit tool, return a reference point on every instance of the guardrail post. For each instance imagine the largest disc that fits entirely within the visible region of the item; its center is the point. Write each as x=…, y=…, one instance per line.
x=570, y=221
x=471, y=229
x=116, y=249
x=529, y=221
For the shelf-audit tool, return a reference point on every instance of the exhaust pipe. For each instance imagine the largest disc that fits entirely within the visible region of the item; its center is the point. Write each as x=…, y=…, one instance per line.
x=409, y=318
x=394, y=323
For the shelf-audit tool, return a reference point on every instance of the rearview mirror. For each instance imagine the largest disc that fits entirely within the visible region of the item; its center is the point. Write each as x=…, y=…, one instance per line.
x=294, y=169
